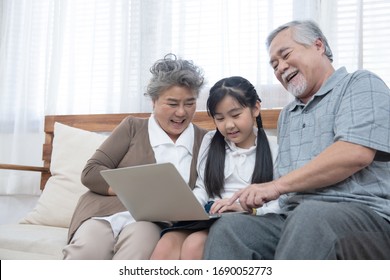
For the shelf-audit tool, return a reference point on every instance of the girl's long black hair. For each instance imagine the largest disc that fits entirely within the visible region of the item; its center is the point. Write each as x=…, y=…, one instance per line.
x=244, y=92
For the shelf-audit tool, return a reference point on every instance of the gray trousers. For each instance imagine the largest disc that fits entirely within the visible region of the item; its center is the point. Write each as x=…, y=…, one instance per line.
x=313, y=230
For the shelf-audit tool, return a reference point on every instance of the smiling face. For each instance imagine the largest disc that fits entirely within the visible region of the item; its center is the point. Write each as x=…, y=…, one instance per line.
x=174, y=109
x=300, y=69
x=236, y=122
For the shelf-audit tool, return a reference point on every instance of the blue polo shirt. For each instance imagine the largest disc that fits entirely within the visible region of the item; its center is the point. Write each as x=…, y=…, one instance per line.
x=352, y=107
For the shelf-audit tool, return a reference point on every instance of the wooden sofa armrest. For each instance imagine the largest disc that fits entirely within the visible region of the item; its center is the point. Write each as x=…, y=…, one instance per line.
x=24, y=168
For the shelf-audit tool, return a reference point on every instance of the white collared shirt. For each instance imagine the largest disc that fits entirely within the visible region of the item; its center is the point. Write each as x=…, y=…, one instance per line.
x=165, y=150
x=239, y=165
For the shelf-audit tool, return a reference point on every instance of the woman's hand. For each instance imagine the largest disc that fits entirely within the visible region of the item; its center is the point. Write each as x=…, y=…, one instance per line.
x=110, y=191
x=224, y=205
x=255, y=195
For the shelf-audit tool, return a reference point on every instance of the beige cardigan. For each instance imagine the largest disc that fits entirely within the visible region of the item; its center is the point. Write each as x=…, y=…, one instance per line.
x=128, y=145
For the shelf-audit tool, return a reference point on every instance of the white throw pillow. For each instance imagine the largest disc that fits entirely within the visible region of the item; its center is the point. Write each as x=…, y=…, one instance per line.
x=72, y=147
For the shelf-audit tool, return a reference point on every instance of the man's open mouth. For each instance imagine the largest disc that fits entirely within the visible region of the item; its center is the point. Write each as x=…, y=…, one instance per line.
x=291, y=76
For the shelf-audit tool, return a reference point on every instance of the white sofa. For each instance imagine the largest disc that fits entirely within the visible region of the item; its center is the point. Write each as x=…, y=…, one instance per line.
x=42, y=233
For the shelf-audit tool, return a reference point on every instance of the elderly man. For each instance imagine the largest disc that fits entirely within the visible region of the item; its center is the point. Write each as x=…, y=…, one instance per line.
x=333, y=167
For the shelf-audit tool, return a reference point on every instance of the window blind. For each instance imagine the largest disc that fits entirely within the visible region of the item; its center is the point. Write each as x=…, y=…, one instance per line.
x=363, y=36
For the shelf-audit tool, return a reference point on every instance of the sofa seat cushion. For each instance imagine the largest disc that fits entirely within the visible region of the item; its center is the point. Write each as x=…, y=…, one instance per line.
x=28, y=242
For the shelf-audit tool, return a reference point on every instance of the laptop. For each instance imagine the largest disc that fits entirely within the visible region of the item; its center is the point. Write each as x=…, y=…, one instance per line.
x=155, y=192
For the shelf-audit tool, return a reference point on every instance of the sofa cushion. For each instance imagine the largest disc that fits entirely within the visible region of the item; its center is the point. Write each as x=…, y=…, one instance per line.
x=72, y=147
x=28, y=242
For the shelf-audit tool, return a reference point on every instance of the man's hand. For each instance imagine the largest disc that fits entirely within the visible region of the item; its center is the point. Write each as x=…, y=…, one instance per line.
x=256, y=195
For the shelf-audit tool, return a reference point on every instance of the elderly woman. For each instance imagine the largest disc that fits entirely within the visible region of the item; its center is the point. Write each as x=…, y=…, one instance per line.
x=101, y=227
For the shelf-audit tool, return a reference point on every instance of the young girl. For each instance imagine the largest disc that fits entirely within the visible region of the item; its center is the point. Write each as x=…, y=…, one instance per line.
x=233, y=156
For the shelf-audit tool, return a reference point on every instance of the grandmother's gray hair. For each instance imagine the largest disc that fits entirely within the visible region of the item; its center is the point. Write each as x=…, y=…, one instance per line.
x=172, y=71
x=304, y=32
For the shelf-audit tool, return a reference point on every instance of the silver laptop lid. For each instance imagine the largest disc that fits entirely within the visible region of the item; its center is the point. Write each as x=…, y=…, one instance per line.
x=155, y=192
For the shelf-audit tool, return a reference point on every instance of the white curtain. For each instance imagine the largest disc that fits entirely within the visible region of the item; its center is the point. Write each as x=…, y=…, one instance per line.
x=93, y=56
